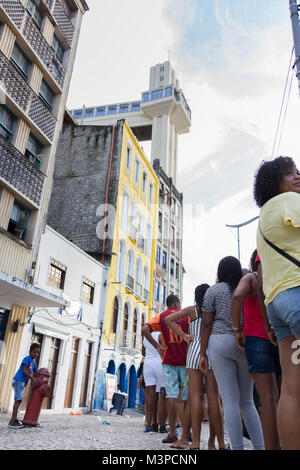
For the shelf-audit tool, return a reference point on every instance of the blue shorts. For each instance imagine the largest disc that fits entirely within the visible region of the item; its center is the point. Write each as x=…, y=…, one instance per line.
x=18, y=387
x=284, y=313
x=262, y=356
x=175, y=377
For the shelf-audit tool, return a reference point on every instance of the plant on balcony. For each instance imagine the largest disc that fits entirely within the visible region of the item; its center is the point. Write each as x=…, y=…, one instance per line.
x=22, y=223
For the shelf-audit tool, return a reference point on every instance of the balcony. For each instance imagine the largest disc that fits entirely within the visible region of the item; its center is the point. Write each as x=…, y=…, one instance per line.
x=138, y=289
x=129, y=283
x=26, y=26
x=17, y=172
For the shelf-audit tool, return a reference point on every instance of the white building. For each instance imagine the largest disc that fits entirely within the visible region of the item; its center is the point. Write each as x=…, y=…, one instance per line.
x=69, y=337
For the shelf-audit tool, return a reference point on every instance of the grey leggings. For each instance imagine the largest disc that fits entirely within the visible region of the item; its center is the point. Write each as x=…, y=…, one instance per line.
x=235, y=384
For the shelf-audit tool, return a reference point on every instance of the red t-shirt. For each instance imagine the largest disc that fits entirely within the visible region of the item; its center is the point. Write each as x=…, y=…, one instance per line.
x=253, y=320
x=175, y=354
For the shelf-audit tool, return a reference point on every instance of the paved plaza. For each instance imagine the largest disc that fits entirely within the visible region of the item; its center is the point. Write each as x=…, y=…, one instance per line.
x=87, y=432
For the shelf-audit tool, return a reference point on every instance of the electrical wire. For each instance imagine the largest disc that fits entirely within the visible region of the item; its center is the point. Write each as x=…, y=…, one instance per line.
x=284, y=117
x=283, y=99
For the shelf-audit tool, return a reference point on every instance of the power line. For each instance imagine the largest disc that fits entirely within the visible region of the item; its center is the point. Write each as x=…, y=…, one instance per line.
x=283, y=99
x=286, y=108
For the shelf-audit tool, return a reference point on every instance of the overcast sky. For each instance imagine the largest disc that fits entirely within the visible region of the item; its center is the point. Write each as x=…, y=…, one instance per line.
x=231, y=58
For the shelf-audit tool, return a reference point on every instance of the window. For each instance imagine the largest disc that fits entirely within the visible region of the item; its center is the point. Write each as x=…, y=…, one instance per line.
x=172, y=266
x=145, y=97
x=151, y=189
x=125, y=324
x=160, y=222
x=58, y=48
x=157, y=94
x=89, y=112
x=158, y=254
x=173, y=235
x=34, y=151
x=137, y=171
x=88, y=289
x=164, y=295
x=19, y=220
x=135, y=106
x=135, y=321
x=164, y=260
x=124, y=108
x=128, y=157
x=112, y=109
x=77, y=114
x=67, y=8
x=144, y=187
x=177, y=271
x=157, y=290
x=125, y=212
x=47, y=94
x=55, y=69
x=7, y=122
x=34, y=12
x=20, y=60
x=100, y=111
x=115, y=316
x=57, y=274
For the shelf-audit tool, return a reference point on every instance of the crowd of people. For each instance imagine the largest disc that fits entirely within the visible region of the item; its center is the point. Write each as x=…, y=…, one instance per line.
x=240, y=338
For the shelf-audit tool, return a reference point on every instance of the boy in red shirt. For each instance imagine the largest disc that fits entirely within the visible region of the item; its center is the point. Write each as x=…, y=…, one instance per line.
x=173, y=351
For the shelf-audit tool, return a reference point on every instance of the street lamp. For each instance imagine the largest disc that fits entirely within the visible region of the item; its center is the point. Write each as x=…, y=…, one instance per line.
x=238, y=230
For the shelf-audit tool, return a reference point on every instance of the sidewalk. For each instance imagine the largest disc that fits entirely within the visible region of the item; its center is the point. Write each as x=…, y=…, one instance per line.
x=67, y=432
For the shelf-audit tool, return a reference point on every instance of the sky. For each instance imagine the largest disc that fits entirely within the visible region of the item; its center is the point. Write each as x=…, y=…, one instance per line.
x=232, y=59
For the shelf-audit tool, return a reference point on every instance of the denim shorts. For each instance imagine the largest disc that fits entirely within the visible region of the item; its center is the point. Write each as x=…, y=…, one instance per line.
x=175, y=381
x=18, y=387
x=262, y=356
x=284, y=313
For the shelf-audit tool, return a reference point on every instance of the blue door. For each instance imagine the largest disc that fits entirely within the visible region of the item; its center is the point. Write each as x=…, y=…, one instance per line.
x=132, y=387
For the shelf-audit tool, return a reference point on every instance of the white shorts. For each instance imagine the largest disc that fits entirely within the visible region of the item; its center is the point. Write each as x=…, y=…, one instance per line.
x=153, y=373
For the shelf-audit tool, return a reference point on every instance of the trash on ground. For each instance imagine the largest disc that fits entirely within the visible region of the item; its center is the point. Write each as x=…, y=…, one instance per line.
x=105, y=422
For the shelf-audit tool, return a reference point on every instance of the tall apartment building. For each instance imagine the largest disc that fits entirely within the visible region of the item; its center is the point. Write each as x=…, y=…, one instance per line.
x=104, y=200
x=38, y=42
x=160, y=116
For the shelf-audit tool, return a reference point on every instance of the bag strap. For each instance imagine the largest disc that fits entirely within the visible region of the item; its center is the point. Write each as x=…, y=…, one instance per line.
x=279, y=250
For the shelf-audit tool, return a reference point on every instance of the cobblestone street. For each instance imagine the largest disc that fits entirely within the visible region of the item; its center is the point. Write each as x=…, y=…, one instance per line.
x=86, y=432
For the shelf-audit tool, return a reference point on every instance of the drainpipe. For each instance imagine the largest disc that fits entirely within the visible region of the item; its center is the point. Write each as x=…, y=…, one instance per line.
x=106, y=192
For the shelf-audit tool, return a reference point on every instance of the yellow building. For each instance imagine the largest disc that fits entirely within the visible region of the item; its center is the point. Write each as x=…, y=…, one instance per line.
x=130, y=289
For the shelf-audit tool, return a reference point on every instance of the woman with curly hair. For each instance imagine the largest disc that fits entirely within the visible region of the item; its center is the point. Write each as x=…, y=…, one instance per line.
x=277, y=193
x=228, y=362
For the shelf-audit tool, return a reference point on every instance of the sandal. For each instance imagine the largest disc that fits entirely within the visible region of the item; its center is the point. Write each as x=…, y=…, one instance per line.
x=211, y=447
x=180, y=445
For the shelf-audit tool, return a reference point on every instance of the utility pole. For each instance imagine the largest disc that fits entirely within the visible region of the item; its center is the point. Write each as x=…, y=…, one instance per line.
x=238, y=231
x=294, y=9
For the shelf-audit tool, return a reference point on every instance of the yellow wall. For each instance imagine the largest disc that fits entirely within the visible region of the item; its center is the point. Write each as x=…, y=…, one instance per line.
x=150, y=212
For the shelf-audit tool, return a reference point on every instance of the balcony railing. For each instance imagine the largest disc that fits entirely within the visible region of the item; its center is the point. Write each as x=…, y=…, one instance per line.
x=129, y=282
x=161, y=93
x=19, y=173
x=21, y=93
x=27, y=27
x=138, y=289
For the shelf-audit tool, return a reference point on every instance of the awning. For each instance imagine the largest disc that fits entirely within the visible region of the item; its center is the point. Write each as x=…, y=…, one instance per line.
x=14, y=291
x=48, y=331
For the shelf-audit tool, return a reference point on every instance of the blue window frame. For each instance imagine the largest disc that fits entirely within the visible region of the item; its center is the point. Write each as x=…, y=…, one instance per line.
x=89, y=112
x=112, y=109
x=34, y=151
x=172, y=267
x=47, y=94
x=58, y=48
x=7, y=122
x=136, y=106
x=77, y=113
x=164, y=260
x=157, y=291
x=124, y=108
x=34, y=12
x=55, y=69
x=145, y=97
x=100, y=111
x=20, y=60
x=157, y=94
x=164, y=295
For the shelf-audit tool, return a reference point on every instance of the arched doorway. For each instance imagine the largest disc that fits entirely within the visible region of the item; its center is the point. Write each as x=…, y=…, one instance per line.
x=111, y=368
x=132, y=387
x=141, y=397
x=122, y=378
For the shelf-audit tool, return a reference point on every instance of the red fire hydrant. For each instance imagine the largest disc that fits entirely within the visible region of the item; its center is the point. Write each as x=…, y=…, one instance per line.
x=40, y=390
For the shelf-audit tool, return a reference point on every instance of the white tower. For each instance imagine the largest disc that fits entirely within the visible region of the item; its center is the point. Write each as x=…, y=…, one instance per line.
x=160, y=116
